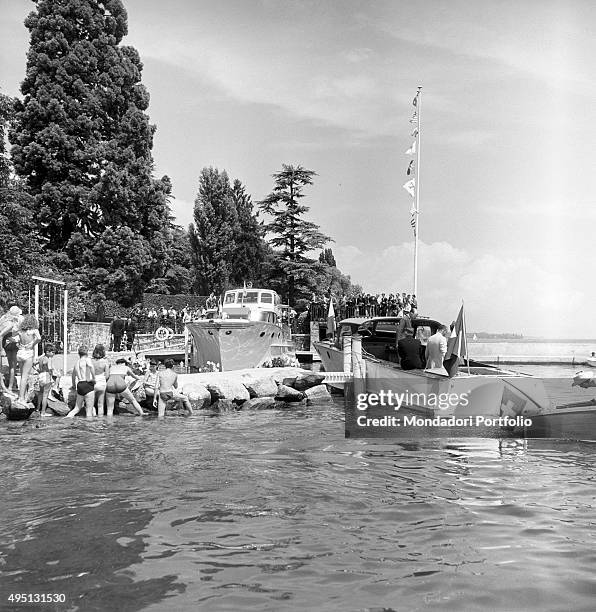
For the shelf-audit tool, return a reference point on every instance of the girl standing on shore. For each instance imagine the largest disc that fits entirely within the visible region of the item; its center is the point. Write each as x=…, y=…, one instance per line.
x=102, y=371
x=46, y=377
x=28, y=339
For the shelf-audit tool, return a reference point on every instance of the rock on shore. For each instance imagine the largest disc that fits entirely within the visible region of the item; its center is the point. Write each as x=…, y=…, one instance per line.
x=254, y=389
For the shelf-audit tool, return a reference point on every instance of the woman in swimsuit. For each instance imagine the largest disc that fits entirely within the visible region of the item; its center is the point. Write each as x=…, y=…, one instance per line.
x=84, y=373
x=102, y=371
x=116, y=385
x=28, y=338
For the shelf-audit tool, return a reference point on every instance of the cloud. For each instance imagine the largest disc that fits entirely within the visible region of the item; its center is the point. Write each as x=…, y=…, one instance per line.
x=183, y=211
x=501, y=294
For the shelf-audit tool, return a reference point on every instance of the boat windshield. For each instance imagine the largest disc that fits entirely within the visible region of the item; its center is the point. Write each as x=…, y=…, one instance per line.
x=266, y=298
x=230, y=297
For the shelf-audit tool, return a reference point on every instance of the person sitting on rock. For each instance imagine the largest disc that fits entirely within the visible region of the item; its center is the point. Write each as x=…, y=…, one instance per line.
x=150, y=382
x=167, y=388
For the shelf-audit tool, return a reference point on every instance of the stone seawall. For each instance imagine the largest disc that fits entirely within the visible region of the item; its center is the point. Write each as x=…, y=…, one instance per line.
x=88, y=334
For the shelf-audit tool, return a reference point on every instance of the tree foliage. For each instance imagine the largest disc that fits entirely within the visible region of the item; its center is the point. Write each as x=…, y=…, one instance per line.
x=326, y=257
x=292, y=236
x=82, y=141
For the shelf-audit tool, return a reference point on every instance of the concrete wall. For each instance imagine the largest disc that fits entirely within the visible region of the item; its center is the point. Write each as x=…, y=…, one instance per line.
x=89, y=334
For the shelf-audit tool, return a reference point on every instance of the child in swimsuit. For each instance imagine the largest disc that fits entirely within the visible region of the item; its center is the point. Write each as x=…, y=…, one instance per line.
x=46, y=375
x=84, y=373
x=102, y=371
x=29, y=337
x=168, y=383
x=116, y=385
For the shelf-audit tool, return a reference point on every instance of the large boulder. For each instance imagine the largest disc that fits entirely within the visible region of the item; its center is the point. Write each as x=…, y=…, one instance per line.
x=287, y=394
x=307, y=380
x=230, y=389
x=259, y=403
x=198, y=395
x=260, y=387
x=289, y=374
x=318, y=394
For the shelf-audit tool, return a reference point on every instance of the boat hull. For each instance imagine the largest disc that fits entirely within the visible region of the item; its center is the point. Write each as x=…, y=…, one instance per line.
x=489, y=392
x=233, y=344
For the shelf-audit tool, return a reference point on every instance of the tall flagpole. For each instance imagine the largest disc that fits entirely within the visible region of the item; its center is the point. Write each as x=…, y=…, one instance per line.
x=417, y=199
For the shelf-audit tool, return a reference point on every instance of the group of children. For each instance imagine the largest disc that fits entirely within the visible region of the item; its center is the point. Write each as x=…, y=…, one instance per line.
x=98, y=384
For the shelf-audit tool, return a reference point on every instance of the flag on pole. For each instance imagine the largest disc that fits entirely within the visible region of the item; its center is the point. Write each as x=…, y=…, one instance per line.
x=410, y=169
x=413, y=213
x=412, y=149
x=410, y=187
x=457, y=344
x=331, y=318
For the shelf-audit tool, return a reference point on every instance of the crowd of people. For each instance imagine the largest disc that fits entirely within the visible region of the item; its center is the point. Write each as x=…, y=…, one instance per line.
x=147, y=319
x=363, y=305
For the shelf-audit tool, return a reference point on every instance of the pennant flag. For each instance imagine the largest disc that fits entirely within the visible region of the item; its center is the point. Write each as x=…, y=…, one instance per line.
x=412, y=149
x=415, y=100
x=410, y=186
x=331, y=318
x=413, y=213
x=410, y=169
x=414, y=118
x=457, y=345
x=414, y=132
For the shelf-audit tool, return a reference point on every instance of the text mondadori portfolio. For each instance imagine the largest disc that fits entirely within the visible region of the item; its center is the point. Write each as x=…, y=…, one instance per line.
x=438, y=421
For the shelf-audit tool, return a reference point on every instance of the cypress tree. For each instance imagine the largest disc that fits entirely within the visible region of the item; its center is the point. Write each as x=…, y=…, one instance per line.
x=212, y=235
x=250, y=251
x=82, y=141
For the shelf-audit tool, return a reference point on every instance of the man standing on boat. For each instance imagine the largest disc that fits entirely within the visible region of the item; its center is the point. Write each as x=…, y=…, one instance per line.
x=436, y=349
x=410, y=351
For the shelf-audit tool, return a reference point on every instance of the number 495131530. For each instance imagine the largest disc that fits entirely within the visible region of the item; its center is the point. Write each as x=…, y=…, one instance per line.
x=37, y=598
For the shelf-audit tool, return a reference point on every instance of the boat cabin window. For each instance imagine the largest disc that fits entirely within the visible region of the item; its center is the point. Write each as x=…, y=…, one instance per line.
x=387, y=327
x=249, y=297
x=423, y=333
x=267, y=298
x=366, y=328
x=230, y=298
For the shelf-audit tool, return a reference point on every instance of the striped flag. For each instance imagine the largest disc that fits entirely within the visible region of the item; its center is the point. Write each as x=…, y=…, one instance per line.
x=457, y=345
x=413, y=213
x=410, y=169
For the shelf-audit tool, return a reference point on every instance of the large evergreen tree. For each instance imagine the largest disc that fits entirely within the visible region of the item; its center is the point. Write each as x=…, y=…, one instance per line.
x=82, y=140
x=212, y=235
x=251, y=251
x=19, y=240
x=293, y=236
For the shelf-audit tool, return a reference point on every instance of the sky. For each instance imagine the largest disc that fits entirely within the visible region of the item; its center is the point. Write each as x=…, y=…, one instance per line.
x=508, y=126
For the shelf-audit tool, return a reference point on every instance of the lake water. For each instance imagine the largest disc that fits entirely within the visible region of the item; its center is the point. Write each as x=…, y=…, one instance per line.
x=276, y=510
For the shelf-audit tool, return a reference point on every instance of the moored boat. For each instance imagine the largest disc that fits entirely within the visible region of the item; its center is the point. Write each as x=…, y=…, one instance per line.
x=248, y=332
x=481, y=389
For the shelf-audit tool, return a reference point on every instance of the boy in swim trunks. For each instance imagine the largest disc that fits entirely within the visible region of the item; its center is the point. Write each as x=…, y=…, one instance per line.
x=84, y=373
x=167, y=389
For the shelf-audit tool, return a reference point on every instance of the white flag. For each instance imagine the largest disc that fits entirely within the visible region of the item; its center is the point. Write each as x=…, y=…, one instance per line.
x=410, y=187
x=412, y=149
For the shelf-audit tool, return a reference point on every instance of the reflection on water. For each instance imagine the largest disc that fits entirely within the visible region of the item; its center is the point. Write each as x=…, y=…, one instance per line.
x=277, y=511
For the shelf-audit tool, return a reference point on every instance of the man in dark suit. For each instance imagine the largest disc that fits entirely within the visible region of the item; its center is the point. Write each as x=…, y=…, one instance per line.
x=410, y=351
x=117, y=331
